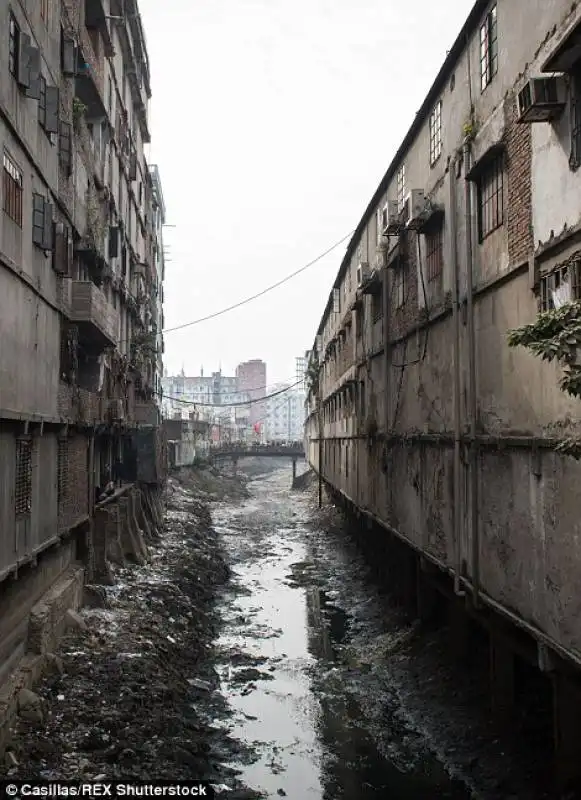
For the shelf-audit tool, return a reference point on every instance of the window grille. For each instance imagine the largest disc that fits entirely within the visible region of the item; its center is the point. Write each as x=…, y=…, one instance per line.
x=436, y=132
x=12, y=190
x=400, y=183
x=434, y=254
x=62, y=468
x=488, y=49
x=377, y=306
x=23, y=478
x=13, y=46
x=491, y=198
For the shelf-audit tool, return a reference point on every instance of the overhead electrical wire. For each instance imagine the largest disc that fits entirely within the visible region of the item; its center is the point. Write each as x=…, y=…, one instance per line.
x=231, y=391
x=243, y=404
x=261, y=293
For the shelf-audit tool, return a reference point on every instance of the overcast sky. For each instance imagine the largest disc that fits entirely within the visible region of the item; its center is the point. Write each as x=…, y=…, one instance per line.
x=272, y=123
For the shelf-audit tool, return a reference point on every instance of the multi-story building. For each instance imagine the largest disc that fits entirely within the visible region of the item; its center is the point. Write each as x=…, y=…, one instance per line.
x=251, y=377
x=158, y=255
x=78, y=349
x=420, y=415
x=285, y=413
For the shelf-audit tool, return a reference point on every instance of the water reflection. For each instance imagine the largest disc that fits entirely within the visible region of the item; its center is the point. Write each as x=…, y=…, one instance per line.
x=282, y=668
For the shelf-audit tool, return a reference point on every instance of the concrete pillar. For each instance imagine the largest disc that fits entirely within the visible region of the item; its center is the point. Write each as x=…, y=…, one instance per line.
x=567, y=733
x=426, y=597
x=102, y=570
x=459, y=627
x=294, y=469
x=502, y=683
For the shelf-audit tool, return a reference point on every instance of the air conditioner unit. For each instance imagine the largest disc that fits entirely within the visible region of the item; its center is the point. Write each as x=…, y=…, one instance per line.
x=541, y=99
x=362, y=273
x=393, y=218
x=416, y=207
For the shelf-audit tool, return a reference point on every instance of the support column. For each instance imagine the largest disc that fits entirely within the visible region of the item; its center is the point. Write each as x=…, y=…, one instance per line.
x=567, y=733
x=459, y=625
x=235, y=466
x=294, y=469
x=427, y=600
x=501, y=681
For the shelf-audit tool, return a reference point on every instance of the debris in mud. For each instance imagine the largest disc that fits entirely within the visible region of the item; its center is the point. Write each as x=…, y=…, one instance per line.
x=122, y=696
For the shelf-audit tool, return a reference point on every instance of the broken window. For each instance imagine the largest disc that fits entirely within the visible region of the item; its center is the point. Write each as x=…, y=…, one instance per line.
x=23, y=477
x=559, y=286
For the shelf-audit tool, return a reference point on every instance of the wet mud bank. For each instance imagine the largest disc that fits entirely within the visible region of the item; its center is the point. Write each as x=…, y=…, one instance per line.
x=124, y=699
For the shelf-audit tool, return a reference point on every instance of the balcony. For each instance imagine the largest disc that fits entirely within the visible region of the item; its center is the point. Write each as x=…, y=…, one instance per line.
x=97, y=321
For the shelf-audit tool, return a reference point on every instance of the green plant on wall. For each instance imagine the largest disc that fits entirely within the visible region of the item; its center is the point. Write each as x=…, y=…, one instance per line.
x=79, y=109
x=556, y=336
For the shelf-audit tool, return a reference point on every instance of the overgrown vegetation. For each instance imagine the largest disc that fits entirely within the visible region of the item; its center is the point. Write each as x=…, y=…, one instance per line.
x=556, y=336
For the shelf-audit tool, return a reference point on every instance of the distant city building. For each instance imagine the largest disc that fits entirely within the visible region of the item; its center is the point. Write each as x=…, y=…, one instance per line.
x=285, y=413
x=251, y=377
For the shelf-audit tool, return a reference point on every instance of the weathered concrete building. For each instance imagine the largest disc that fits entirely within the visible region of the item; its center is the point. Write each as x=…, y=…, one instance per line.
x=78, y=310
x=421, y=417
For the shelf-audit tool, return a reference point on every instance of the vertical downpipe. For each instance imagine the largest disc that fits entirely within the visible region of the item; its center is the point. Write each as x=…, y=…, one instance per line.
x=457, y=510
x=474, y=510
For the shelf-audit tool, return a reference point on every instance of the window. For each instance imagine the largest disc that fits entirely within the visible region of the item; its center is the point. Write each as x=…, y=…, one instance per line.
x=23, y=477
x=490, y=199
x=568, y=274
x=399, y=287
x=42, y=102
x=377, y=306
x=44, y=9
x=42, y=217
x=436, y=133
x=400, y=182
x=488, y=49
x=434, y=254
x=13, y=46
x=62, y=468
x=12, y=188
x=66, y=147
x=575, y=156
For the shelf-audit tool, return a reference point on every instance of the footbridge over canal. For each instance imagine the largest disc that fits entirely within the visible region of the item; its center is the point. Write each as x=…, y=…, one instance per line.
x=233, y=453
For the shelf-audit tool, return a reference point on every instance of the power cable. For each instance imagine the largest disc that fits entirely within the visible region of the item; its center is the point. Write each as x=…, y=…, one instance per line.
x=230, y=405
x=261, y=293
x=229, y=391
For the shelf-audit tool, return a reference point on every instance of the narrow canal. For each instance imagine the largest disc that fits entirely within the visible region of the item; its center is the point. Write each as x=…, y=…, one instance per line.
x=302, y=659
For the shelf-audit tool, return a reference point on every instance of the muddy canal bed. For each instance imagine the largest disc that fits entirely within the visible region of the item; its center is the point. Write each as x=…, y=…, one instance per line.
x=255, y=651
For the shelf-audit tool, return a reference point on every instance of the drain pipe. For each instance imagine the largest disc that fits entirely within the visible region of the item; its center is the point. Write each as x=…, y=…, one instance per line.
x=474, y=509
x=457, y=510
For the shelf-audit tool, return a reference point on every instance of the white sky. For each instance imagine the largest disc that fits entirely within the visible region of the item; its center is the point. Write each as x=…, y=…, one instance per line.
x=272, y=123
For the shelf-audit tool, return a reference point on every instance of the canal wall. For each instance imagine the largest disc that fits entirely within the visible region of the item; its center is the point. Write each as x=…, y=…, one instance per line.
x=510, y=658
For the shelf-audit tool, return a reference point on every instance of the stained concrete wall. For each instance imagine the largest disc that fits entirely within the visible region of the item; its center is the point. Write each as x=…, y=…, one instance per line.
x=404, y=475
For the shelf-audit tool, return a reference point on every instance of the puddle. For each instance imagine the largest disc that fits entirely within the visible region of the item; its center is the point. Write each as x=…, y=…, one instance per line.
x=285, y=667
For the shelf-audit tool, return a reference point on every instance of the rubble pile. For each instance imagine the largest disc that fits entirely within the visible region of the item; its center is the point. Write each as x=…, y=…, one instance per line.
x=123, y=703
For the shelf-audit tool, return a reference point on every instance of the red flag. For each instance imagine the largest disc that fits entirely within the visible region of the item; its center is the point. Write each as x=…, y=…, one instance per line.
x=257, y=427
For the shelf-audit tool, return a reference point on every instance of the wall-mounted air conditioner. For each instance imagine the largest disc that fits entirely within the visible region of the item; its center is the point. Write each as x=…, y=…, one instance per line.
x=362, y=273
x=415, y=208
x=541, y=99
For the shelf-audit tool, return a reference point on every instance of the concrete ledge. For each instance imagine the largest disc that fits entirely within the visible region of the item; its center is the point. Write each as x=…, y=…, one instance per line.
x=46, y=625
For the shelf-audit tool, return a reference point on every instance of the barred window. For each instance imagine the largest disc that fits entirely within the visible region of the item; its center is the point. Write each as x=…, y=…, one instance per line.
x=12, y=188
x=13, y=46
x=434, y=254
x=491, y=198
x=436, y=133
x=42, y=101
x=566, y=274
x=488, y=49
x=400, y=183
x=377, y=306
x=62, y=467
x=575, y=157
x=23, y=478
